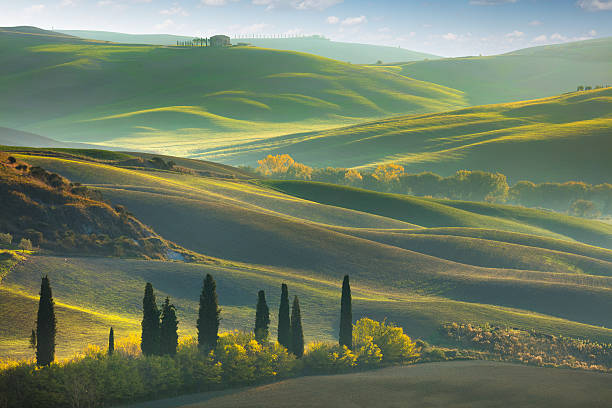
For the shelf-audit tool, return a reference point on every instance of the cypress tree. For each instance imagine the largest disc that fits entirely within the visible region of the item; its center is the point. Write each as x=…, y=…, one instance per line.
x=45, y=326
x=284, y=321
x=150, y=323
x=262, y=318
x=297, y=334
x=111, y=342
x=346, y=315
x=208, y=315
x=169, y=327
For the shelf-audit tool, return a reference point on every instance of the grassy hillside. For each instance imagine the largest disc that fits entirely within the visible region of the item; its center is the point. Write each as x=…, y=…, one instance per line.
x=180, y=99
x=435, y=385
x=534, y=136
x=257, y=238
x=341, y=51
x=523, y=74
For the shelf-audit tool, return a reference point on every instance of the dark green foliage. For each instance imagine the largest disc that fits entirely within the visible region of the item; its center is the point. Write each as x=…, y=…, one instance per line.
x=346, y=315
x=150, y=323
x=33, y=340
x=297, y=334
x=45, y=326
x=284, y=321
x=111, y=342
x=169, y=327
x=208, y=315
x=262, y=318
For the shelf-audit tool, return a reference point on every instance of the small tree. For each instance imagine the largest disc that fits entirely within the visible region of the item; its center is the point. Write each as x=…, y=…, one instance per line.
x=580, y=88
x=284, y=321
x=45, y=325
x=25, y=244
x=33, y=340
x=262, y=318
x=584, y=208
x=111, y=342
x=346, y=315
x=150, y=323
x=169, y=329
x=6, y=239
x=12, y=160
x=297, y=334
x=208, y=315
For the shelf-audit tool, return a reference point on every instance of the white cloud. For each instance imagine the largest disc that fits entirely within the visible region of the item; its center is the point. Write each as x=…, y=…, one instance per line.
x=298, y=4
x=215, y=2
x=35, y=8
x=450, y=36
x=165, y=24
x=515, y=34
x=384, y=30
x=535, y=23
x=558, y=37
x=174, y=10
x=349, y=21
x=490, y=2
x=592, y=33
x=540, y=39
x=332, y=20
x=595, y=5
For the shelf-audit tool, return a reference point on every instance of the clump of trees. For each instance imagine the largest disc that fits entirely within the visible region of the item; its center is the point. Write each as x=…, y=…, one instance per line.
x=463, y=185
x=208, y=361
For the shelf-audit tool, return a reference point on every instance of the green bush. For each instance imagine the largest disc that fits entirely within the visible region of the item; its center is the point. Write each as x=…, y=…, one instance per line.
x=6, y=239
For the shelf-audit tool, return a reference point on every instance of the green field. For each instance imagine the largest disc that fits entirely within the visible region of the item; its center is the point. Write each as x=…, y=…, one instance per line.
x=179, y=99
x=419, y=262
x=523, y=74
x=341, y=51
x=554, y=139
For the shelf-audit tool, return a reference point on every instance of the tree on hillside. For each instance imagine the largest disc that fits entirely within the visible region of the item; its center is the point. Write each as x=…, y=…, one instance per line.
x=580, y=88
x=262, y=318
x=346, y=315
x=111, y=342
x=150, y=323
x=208, y=315
x=297, y=334
x=33, y=340
x=169, y=329
x=45, y=325
x=284, y=321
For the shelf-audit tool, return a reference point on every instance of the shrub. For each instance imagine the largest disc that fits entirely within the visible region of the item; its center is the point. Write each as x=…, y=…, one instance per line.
x=394, y=345
x=25, y=244
x=6, y=239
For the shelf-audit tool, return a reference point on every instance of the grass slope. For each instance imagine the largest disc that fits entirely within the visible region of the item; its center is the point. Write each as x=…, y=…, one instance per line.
x=348, y=52
x=523, y=74
x=450, y=213
x=263, y=237
x=535, y=138
x=435, y=385
x=176, y=99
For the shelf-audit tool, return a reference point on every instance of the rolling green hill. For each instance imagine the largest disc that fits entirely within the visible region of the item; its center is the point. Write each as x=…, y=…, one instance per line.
x=175, y=99
x=256, y=238
x=523, y=74
x=553, y=139
x=341, y=51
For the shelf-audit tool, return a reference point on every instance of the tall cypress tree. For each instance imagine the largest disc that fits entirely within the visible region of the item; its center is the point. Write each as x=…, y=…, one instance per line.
x=169, y=326
x=346, y=315
x=150, y=323
x=208, y=315
x=262, y=318
x=297, y=334
x=111, y=342
x=284, y=321
x=45, y=325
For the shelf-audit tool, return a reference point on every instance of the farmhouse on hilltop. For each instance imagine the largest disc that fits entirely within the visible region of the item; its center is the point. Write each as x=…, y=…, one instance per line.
x=220, y=41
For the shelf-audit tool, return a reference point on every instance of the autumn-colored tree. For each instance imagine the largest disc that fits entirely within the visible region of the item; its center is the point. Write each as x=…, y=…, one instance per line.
x=283, y=166
x=388, y=173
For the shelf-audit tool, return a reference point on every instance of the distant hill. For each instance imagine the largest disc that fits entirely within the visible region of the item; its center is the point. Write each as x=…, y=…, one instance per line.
x=523, y=74
x=560, y=138
x=13, y=137
x=177, y=99
x=342, y=51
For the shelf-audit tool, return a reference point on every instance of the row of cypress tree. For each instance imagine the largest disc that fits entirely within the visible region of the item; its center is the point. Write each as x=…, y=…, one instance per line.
x=160, y=328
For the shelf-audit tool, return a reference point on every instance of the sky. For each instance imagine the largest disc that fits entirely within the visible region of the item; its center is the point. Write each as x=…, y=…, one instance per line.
x=441, y=27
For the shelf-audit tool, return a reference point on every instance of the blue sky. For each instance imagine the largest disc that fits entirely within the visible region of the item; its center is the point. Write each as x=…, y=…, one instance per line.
x=443, y=27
